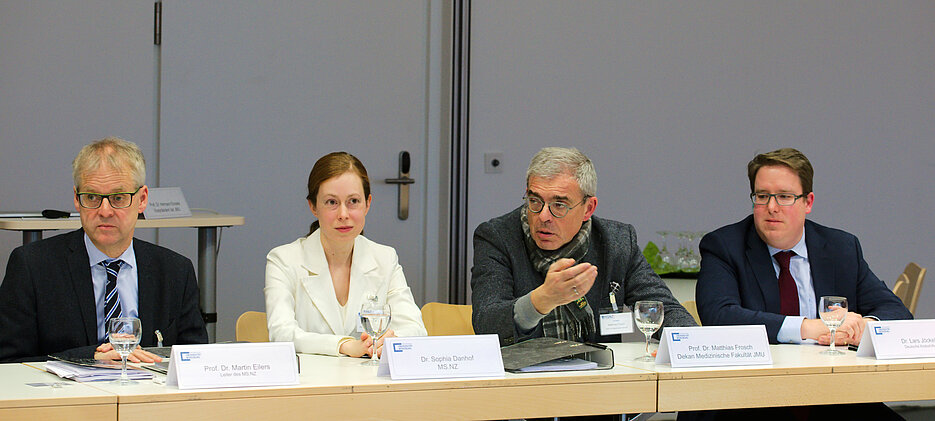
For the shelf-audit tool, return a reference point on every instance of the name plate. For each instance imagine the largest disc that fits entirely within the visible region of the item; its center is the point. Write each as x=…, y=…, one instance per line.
x=709, y=346
x=898, y=339
x=233, y=365
x=440, y=357
x=616, y=323
x=166, y=202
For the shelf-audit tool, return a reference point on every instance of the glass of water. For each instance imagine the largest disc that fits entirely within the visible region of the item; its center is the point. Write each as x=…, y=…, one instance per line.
x=375, y=318
x=648, y=316
x=833, y=311
x=124, y=334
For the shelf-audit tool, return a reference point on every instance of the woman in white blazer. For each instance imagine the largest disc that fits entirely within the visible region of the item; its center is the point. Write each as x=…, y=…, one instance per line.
x=315, y=285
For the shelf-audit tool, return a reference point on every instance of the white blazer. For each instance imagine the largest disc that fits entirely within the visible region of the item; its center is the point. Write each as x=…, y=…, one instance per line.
x=301, y=305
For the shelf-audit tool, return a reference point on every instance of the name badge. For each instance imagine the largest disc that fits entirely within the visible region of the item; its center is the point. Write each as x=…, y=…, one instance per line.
x=613, y=323
x=233, y=365
x=898, y=339
x=441, y=357
x=166, y=202
x=708, y=346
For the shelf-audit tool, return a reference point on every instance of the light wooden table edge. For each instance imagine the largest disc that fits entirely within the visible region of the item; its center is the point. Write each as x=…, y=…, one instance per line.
x=474, y=403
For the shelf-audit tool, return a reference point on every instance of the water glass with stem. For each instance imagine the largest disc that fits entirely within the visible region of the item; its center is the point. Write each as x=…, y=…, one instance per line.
x=375, y=318
x=833, y=311
x=124, y=335
x=648, y=316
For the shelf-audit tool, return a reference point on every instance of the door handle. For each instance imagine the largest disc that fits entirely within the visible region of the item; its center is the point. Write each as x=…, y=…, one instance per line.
x=403, y=181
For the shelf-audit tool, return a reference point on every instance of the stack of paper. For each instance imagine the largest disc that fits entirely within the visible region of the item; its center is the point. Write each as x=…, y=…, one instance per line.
x=93, y=374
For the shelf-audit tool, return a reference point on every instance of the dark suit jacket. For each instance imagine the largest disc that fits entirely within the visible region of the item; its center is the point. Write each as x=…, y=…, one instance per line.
x=503, y=273
x=738, y=285
x=47, y=299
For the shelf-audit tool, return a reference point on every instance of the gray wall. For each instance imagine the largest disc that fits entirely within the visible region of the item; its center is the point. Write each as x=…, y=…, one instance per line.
x=672, y=99
x=63, y=82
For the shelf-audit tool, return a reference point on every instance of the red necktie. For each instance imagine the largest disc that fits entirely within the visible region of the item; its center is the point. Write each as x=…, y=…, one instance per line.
x=788, y=293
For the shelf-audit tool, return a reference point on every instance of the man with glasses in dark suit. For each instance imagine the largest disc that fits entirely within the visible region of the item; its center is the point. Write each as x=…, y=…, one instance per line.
x=58, y=293
x=773, y=266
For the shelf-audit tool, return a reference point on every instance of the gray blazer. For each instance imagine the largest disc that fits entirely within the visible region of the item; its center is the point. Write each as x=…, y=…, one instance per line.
x=502, y=273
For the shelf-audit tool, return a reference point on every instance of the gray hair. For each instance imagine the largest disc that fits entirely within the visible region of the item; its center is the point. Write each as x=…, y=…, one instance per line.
x=118, y=153
x=552, y=161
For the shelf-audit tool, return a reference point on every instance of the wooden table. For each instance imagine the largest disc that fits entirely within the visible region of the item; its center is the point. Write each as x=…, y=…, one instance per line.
x=208, y=224
x=340, y=388
x=70, y=400
x=799, y=375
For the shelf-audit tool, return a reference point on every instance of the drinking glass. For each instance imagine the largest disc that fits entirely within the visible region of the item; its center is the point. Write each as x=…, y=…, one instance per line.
x=124, y=334
x=833, y=311
x=682, y=254
x=664, y=252
x=375, y=318
x=648, y=316
x=692, y=259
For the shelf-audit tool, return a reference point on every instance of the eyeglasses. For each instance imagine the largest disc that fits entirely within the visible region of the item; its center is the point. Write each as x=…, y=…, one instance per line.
x=353, y=203
x=782, y=199
x=557, y=209
x=119, y=200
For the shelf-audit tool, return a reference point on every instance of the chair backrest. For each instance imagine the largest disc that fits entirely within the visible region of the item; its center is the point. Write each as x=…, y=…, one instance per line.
x=693, y=310
x=251, y=327
x=447, y=319
x=901, y=289
x=915, y=274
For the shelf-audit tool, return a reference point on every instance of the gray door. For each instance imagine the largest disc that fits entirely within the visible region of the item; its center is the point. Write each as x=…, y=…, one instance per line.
x=253, y=93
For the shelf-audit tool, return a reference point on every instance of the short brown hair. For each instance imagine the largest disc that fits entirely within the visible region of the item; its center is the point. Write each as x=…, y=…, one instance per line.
x=332, y=165
x=787, y=157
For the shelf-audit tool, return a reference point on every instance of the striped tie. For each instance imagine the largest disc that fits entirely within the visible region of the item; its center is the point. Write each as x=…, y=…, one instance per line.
x=111, y=297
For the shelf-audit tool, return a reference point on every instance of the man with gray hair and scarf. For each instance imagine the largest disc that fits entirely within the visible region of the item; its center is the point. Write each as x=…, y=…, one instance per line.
x=549, y=266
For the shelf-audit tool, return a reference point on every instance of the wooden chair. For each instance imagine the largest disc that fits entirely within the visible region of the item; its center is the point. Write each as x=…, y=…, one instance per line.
x=901, y=289
x=914, y=274
x=693, y=310
x=447, y=319
x=251, y=327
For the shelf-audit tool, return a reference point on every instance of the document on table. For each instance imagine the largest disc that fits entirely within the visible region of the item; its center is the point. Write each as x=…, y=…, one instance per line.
x=83, y=373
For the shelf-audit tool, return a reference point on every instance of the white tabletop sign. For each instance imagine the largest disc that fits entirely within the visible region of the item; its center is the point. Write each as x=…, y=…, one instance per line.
x=166, y=202
x=233, y=365
x=898, y=339
x=708, y=346
x=438, y=357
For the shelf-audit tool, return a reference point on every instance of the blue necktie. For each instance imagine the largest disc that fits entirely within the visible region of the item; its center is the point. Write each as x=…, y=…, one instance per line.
x=111, y=297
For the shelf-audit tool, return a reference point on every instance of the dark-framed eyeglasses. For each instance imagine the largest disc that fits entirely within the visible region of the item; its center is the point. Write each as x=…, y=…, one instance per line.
x=119, y=200
x=782, y=199
x=557, y=209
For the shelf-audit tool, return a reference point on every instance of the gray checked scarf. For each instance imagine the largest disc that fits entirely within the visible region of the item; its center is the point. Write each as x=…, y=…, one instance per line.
x=573, y=321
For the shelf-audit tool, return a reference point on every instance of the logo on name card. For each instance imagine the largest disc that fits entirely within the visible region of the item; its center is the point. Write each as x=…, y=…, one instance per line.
x=401, y=346
x=879, y=330
x=189, y=356
x=678, y=336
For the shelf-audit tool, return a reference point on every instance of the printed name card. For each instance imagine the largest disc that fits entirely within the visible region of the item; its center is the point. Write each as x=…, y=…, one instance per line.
x=439, y=357
x=233, y=365
x=616, y=323
x=708, y=346
x=166, y=202
x=898, y=339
